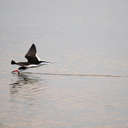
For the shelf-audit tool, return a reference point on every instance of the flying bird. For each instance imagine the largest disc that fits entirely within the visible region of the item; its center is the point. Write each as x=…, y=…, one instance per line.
x=33, y=60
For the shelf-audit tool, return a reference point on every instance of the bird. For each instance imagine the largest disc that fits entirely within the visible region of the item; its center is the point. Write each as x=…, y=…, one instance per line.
x=33, y=60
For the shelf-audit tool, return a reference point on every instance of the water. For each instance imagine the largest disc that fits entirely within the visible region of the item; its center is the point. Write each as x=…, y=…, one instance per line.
x=41, y=100
x=86, y=84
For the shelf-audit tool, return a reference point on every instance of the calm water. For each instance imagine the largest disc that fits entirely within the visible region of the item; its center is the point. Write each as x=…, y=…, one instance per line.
x=86, y=85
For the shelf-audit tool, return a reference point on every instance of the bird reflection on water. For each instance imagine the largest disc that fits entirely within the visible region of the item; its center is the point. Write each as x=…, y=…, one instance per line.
x=22, y=80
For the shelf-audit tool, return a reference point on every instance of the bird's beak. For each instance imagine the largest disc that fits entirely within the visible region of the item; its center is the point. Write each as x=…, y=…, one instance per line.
x=16, y=71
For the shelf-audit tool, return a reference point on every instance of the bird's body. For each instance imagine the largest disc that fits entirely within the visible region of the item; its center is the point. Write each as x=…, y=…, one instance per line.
x=33, y=60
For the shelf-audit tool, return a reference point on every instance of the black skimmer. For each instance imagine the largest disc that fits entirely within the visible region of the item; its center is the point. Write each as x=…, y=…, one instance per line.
x=33, y=60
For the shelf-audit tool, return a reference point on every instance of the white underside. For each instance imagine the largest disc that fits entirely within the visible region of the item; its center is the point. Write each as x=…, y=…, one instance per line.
x=34, y=65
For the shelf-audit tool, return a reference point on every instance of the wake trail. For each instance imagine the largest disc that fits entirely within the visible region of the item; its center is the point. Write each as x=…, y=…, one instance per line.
x=78, y=74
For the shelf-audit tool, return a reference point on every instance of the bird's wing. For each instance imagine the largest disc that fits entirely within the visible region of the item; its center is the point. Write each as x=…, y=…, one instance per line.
x=31, y=55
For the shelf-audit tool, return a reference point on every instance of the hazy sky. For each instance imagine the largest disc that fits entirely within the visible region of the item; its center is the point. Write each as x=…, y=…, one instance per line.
x=97, y=23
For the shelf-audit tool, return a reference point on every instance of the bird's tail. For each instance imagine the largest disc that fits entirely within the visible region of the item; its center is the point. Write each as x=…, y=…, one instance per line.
x=13, y=62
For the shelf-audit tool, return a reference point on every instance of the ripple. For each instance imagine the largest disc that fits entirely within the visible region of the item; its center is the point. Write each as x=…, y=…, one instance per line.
x=27, y=86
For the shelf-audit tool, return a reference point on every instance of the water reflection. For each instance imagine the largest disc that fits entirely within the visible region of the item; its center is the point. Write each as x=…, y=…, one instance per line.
x=26, y=94
x=25, y=80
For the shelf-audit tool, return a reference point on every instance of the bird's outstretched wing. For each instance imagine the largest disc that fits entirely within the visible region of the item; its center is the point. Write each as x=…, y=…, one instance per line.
x=31, y=55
